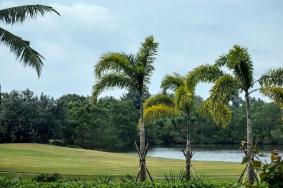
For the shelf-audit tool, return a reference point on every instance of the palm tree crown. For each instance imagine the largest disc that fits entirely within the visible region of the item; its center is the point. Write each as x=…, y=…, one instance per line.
x=18, y=46
x=126, y=70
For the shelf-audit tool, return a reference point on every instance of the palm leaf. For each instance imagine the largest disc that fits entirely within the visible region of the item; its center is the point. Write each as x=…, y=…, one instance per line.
x=224, y=89
x=22, y=50
x=159, y=99
x=219, y=112
x=275, y=93
x=159, y=111
x=111, y=80
x=21, y=13
x=203, y=73
x=145, y=58
x=239, y=61
x=172, y=82
x=116, y=62
x=272, y=78
x=183, y=99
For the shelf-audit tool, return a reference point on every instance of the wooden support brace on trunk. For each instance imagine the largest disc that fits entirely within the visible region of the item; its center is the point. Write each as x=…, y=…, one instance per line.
x=190, y=155
x=142, y=161
x=249, y=163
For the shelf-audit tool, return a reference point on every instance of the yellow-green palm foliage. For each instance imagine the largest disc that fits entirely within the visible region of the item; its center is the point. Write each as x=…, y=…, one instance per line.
x=238, y=79
x=18, y=46
x=170, y=105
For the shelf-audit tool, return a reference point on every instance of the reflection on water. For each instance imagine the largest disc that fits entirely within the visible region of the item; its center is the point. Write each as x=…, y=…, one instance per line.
x=228, y=153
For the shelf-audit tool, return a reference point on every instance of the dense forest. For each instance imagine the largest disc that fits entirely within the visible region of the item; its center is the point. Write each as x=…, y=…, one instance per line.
x=111, y=123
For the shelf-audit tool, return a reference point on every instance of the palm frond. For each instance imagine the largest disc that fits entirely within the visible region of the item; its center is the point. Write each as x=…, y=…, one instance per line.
x=21, y=13
x=22, y=50
x=183, y=99
x=224, y=89
x=203, y=73
x=146, y=56
x=111, y=80
x=272, y=78
x=172, y=82
x=113, y=62
x=239, y=61
x=159, y=99
x=219, y=112
x=275, y=93
x=159, y=111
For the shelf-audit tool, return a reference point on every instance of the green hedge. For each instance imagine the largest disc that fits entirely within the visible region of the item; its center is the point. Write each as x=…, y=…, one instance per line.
x=27, y=183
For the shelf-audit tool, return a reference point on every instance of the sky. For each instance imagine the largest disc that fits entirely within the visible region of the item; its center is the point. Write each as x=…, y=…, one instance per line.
x=189, y=32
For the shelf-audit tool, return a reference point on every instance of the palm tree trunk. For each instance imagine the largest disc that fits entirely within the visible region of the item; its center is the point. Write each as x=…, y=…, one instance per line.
x=188, y=152
x=142, y=142
x=249, y=137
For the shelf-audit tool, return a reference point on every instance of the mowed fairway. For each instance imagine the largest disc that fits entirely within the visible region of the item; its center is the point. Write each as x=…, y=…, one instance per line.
x=39, y=158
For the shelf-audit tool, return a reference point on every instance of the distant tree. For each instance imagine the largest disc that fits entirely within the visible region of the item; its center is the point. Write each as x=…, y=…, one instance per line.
x=228, y=85
x=20, y=47
x=130, y=72
x=179, y=104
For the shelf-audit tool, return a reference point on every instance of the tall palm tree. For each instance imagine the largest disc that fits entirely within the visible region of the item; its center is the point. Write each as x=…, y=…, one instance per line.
x=18, y=46
x=128, y=71
x=179, y=104
x=239, y=79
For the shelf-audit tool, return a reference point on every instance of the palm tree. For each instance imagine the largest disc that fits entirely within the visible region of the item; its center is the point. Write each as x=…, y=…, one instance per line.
x=179, y=104
x=18, y=46
x=239, y=79
x=129, y=72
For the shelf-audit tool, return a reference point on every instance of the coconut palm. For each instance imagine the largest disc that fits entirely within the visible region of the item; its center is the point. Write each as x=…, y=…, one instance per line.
x=179, y=104
x=239, y=79
x=128, y=71
x=18, y=46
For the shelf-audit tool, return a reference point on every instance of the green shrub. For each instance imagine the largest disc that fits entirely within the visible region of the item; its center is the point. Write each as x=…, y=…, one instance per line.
x=272, y=173
x=47, y=177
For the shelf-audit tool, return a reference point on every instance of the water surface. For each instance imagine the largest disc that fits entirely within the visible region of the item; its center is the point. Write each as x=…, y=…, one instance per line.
x=227, y=153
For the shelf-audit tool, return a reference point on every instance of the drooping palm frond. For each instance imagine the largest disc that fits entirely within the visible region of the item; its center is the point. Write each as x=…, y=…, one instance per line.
x=159, y=111
x=21, y=13
x=183, y=99
x=224, y=89
x=239, y=61
x=113, y=62
x=146, y=56
x=219, y=112
x=159, y=99
x=22, y=50
x=275, y=93
x=272, y=78
x=111, y=80
x=203, y=73
x=172, y=82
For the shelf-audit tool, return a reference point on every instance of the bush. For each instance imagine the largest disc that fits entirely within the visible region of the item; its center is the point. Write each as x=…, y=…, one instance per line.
x=26, y=183
x=272, y=173
x=47, y=177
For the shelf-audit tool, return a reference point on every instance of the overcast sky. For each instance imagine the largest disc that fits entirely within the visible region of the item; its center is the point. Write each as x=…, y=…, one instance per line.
x=190, y=33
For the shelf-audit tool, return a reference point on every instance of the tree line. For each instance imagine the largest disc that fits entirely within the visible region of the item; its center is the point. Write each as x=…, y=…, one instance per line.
x=112, y=123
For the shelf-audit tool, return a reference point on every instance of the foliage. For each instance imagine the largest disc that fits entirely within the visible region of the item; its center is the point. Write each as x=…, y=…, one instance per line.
x=18, y=46
x=272, y=173
x=25, y=183
x=47, y=177
x=73, y=120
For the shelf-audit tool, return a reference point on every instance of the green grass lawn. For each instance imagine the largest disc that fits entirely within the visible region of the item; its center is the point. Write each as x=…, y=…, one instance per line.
x=39, y=158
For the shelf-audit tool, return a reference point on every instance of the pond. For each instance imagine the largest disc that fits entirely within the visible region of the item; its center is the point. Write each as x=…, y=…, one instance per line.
x=228, y=153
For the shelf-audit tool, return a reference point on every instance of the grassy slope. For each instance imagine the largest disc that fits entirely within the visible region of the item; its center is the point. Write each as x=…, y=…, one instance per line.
x=38, y=158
